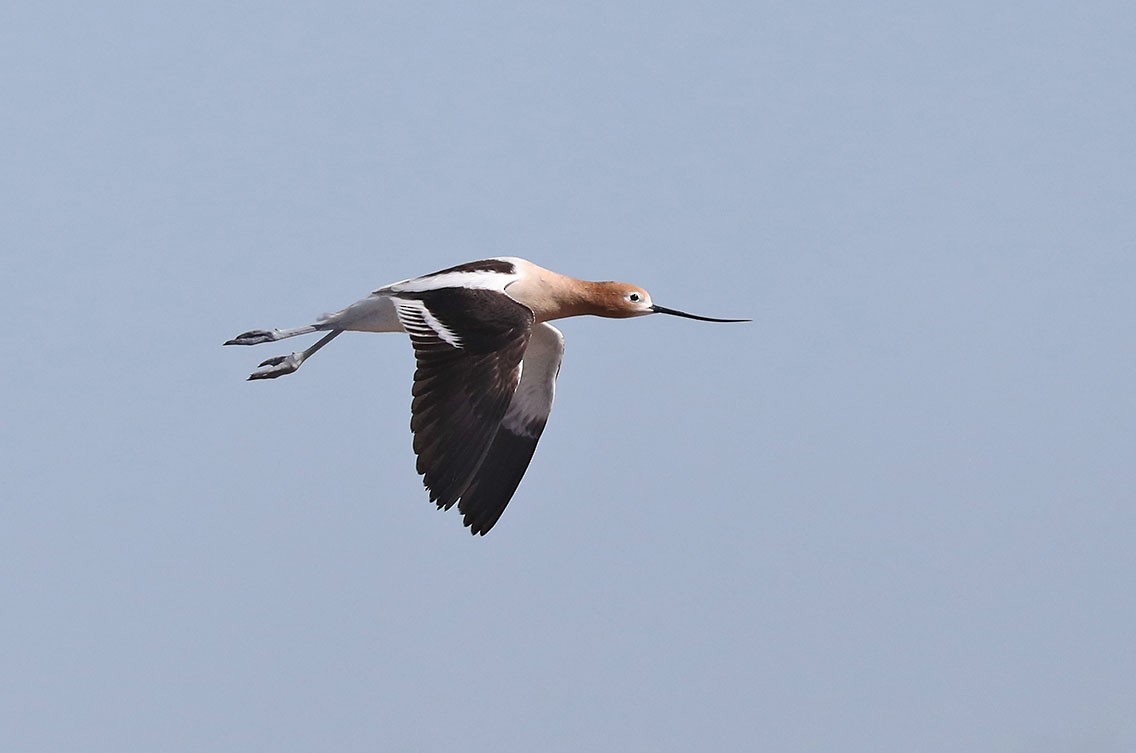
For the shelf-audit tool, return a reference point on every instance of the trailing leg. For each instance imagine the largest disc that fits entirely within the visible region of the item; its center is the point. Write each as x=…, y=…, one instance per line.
x=278, y=366
x=258, y=336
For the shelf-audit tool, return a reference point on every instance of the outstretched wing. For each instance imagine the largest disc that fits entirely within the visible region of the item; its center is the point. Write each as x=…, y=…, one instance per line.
x=468, y=344
x=512, y=449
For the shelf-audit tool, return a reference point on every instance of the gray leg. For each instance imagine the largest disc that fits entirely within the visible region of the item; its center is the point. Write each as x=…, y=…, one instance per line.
x=258, y=336
x=280, y=365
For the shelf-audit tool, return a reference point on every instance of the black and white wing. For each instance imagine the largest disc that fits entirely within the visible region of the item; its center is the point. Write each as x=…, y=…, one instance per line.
x=468, y=343
x=512, y=449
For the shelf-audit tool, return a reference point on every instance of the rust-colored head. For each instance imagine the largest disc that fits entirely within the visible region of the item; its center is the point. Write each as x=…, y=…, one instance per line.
x=619, y=300
x=622, y=300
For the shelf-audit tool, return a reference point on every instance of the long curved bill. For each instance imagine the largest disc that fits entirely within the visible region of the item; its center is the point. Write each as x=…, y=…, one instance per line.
x=675, y=312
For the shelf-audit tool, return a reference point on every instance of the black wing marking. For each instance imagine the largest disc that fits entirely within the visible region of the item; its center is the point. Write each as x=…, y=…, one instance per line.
x=468, y=345
x=484, y=265
x=512, y=449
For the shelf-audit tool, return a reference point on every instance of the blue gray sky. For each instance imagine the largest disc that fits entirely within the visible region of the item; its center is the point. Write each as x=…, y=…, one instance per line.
x=894, y=513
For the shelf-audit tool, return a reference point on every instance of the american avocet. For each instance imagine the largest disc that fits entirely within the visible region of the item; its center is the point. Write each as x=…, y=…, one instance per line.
x=487, y=363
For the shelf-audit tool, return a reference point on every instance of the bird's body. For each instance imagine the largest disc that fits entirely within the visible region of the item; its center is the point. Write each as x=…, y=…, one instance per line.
x=487, y=364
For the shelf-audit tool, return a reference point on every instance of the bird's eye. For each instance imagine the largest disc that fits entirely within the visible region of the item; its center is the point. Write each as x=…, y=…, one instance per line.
x=633, y=297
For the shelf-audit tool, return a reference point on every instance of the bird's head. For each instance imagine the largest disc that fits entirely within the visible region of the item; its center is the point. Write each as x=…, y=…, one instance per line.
x=622, y=300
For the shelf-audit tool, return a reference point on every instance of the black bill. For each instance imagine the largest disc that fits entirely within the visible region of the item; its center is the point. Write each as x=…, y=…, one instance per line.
x=675, y=312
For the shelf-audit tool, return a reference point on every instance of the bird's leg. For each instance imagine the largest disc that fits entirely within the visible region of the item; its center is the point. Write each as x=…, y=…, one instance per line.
x=280, y=365
x=258, y=336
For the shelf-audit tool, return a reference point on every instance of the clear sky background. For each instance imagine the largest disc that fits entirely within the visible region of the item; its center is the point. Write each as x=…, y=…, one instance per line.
x=895, y=513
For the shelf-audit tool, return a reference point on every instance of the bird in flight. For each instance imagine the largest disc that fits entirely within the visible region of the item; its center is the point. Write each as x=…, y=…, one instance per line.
x=487, y=361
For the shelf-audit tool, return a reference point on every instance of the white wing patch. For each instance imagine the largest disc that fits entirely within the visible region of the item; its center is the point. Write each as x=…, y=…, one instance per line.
x=532, y=401
x=472, y=280
x=417, y=319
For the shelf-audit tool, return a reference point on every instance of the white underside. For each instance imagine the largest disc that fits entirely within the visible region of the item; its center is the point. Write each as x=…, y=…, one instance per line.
x=375, y=313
